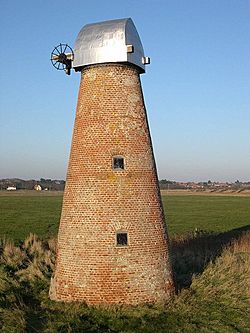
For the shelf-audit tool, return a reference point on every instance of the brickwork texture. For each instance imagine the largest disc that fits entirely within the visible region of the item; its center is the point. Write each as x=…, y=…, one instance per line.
x=100, y=201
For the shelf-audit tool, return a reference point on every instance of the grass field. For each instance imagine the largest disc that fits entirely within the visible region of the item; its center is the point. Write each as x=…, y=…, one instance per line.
x=209, y=213
x=23, y=214
x=215, y=300
x=211, y=270
x=40, y=214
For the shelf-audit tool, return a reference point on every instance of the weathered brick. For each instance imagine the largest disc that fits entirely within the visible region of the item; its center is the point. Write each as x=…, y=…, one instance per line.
x=99, y=201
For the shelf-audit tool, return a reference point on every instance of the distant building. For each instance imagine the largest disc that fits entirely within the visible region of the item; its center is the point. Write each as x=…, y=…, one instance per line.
x=38, y=187
x=11, y=188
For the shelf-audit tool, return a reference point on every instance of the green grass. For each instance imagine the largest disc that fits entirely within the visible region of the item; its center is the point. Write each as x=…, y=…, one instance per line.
x=212, y=278
x=20, y=215
x=210, y=213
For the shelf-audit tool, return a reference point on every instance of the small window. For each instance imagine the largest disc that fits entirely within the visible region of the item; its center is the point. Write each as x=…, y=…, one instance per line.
x=118, y=163
x=122, y=238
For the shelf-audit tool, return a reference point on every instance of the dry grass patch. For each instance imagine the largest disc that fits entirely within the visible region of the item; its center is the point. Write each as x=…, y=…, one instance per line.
x=212, y=274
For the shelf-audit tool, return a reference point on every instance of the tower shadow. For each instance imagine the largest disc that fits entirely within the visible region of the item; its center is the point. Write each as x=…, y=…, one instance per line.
x=192, y=253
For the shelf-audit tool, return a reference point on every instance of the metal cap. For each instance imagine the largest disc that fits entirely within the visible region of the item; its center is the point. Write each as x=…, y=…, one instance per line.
x=109, y=41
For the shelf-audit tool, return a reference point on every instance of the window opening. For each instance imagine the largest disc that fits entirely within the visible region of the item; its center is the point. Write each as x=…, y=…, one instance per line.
x=122, y=238
x=118, y=163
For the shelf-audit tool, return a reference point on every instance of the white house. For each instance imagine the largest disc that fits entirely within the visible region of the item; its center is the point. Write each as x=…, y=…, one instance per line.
x=11, y=188
x=38, y=187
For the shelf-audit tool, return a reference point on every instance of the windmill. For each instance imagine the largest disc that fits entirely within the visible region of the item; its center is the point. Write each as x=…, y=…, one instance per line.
x=112, y=240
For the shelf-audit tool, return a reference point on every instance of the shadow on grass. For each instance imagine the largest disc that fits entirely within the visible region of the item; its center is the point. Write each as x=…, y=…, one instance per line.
x=191, y=253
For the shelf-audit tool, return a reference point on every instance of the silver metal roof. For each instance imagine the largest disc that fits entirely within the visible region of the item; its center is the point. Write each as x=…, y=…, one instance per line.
x=109, y=41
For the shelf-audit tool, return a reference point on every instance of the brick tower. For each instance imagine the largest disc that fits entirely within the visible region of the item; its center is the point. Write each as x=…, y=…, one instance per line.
x=112, y=242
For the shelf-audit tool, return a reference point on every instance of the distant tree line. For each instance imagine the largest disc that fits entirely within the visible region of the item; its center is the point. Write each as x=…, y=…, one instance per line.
x=171, y=185
x=58, y=185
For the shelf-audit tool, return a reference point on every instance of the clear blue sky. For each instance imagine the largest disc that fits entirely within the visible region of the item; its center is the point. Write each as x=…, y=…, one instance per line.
x=197, y=88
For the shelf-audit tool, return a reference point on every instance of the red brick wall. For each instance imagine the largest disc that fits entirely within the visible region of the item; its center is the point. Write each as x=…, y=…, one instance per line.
x=98, y=201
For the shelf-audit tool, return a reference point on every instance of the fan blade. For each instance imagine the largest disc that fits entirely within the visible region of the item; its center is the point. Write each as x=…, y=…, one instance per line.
x=55, y=57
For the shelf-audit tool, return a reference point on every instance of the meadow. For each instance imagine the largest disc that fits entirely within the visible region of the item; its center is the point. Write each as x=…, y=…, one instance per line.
x=28, y=212
x=210, y=250
x=22, y=214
